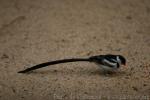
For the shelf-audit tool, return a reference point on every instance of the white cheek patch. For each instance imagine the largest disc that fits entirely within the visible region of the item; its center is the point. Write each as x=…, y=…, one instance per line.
x=118, y=60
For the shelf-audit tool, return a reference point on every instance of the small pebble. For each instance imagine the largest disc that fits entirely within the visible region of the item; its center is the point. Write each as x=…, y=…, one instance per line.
x=55, y=70
x=4, y=56
x=85, y=93
x=128, y=17
x=144, y=84
x=135, y=88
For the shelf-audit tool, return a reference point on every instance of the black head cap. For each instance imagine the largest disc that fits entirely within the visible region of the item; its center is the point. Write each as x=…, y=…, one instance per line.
x=123, y=60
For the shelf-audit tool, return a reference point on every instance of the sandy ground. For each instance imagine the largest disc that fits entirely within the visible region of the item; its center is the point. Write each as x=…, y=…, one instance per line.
x=35, y=31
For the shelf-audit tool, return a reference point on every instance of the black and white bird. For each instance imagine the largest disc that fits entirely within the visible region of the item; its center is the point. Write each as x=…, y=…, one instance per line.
x=107, y=62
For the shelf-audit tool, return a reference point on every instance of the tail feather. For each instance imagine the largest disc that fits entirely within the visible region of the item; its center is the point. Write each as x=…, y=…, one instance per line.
x=53, y=63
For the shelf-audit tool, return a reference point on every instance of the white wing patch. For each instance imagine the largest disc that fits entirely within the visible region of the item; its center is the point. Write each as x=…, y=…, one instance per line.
x=114, y=60
x=110, y=63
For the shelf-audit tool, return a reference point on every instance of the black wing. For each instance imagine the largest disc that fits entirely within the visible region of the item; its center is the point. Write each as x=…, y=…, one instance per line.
x=106, y=60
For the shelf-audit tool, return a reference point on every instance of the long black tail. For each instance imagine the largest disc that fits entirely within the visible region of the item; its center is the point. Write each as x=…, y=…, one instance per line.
x=53, y=63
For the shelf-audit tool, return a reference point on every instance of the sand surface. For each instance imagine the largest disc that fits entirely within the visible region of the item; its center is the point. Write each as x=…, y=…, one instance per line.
x=35, y=31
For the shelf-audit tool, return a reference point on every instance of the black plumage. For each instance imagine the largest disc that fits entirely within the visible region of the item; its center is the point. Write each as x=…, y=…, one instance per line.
x=107, y=62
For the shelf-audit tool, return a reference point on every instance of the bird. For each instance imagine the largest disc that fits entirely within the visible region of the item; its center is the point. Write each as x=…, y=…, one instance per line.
x=108, y=62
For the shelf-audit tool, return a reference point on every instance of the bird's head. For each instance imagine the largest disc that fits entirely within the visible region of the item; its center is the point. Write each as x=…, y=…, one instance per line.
x=122, y=59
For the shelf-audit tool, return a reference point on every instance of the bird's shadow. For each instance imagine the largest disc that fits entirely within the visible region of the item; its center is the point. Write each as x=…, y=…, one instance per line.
x=109, y=74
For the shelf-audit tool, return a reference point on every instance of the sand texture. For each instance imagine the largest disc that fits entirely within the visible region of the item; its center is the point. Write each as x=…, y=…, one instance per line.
x=36, y=31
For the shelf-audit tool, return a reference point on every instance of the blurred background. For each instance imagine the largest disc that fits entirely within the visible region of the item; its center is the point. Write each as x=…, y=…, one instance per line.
x=36, y=31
